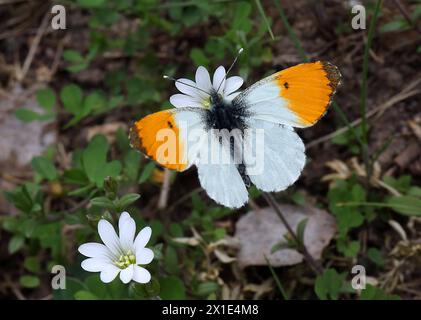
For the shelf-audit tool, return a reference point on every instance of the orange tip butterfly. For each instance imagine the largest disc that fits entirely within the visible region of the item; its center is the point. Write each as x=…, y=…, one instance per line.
x=236, y=139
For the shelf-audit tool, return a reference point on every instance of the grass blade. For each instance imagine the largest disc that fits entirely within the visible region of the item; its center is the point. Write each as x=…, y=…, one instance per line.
x=278, y=282
x=365, y=71
x=263, y=14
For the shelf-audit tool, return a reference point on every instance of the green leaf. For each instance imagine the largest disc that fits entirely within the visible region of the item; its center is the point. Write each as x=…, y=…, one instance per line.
x=71, y=97
x=132, y=164
x=171, y=260
x=329, y=284
x=27, y=115
x=111, y=169
x=94, y=156
x=93, y=101
x=376, y=256
x=300, y=230
x=21, y=199
x=396, y=25
x=147, y=290
x=46, y=98
x=279, y=246
x=32, y=264
x=90, y=3
x=206, y=288
x=45, y=168
x=102, y=202
x=126, y=200
x=76, y=176
x=172, y=288
x=402, y=184
x=29, y=281
x=72, y=56
x=85, y=295
x=415, y=192
x=16, y=243
x=348, y=248
x=241, y=19
x=374, y=293
x=406, y=205
x=110, y=187
x=78, y=67
x=348, y=217
x=147, y=172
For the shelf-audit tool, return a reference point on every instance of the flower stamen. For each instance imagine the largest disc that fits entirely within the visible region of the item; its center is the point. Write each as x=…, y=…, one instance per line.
x=125, y=260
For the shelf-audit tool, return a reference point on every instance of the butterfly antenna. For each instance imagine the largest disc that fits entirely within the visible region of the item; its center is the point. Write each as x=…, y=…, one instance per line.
x=229, y=69
x=186, y=84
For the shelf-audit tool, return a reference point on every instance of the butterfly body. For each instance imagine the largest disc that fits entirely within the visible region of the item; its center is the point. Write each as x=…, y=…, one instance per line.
x=269, y=154
x=223, y=114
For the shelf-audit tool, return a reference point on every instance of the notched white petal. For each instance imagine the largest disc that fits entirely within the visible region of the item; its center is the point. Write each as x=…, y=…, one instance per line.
x=94, y=264
x=218, y=77
x=126, y=275
x=127, y=231
x=94, y=250
x=141, y=275
x=203, y=79
x=233, y=84
x=144, y=256
x=108, y=236
x=109, y=273
x=187, y=87
x=142, y=238
x=182, y=100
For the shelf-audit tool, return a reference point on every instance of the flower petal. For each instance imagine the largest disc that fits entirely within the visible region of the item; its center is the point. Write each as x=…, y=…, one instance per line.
x=187, y=87
x=141, y=275
x=144, y=256
x=126, y=274
x=203, y=79
x=127, y=230
x=108, y=274
x=232, y=84
x=183, y=100
x=218, y=77
x=94, y=264
x=232, y=96
x=142, y=238
x=109, y=237
x=94, y=250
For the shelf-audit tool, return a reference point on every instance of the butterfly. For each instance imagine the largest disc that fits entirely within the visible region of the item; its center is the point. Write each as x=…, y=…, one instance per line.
x=262, y=118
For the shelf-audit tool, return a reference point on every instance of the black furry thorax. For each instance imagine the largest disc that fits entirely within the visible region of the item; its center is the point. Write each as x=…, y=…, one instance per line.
x=223, y=114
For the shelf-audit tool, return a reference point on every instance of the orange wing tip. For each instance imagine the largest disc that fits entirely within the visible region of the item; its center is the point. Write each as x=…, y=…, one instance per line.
x=143, y=137
x=308, y=89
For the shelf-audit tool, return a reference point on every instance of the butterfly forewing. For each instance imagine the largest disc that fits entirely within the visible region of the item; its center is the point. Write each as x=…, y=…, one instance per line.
x=298, y=96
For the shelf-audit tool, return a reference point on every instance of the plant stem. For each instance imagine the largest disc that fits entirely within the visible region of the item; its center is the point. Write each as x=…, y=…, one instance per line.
x=307, y=256
x=363, y=106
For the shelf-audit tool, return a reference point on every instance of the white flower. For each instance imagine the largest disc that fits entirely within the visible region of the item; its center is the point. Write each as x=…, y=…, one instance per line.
x=119, y=254
x=192, y=97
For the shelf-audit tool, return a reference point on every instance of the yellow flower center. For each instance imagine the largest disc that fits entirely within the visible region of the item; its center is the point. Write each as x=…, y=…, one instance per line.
x=206, y=103
x=125, y=260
